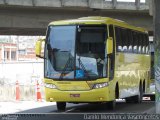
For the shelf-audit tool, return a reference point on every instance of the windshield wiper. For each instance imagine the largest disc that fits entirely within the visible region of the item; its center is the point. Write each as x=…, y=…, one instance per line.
x=83, y=67
x=68, y=64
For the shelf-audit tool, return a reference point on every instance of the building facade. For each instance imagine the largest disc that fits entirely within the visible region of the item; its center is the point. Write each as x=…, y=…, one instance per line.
x=11, y=52
x=8, y=52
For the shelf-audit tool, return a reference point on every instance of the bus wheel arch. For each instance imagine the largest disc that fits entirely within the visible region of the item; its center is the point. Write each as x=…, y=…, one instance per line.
x=138, y=98
x=144, y=86
x=141, y=92
x=112, y=104
x=141, y=87
x=117, y=91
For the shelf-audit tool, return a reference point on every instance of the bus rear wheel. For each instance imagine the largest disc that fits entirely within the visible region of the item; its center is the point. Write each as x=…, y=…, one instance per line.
x=61, y=106
x=138, y=98
x=129, y=100
x=152, y=97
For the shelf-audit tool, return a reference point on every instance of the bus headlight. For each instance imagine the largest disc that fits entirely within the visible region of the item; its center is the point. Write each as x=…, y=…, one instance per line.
x=100, y=85
x=48, y=85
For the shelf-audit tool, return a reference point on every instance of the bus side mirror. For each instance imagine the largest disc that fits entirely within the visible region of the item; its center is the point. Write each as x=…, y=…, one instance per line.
x=109, y=45
x=39, y=50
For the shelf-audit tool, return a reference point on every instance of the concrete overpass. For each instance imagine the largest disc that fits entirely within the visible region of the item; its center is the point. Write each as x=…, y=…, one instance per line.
x=31, y=17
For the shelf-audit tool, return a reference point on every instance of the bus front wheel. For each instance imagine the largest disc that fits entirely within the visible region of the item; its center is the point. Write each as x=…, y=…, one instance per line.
x=61, y=106
x=111, y=105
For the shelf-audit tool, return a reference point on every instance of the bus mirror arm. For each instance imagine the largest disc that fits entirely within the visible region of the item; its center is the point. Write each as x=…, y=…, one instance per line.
x=41, y=56
x=109, y=56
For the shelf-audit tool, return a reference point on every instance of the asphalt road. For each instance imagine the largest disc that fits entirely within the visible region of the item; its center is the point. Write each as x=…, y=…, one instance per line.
x=121, y=107
x=47, y=111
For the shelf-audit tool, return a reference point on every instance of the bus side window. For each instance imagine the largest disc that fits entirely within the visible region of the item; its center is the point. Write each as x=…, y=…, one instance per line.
x=118, y=39
x=135, y=43
x=143, y=44
x=124, y=40
x=139, y=43
x=147, y=44
x=130, y=40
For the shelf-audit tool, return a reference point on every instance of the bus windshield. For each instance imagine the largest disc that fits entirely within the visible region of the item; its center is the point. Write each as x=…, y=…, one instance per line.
x=75, y=52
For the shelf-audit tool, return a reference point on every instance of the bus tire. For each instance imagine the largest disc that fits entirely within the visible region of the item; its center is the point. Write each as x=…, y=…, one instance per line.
x=111, y=105
x=138, y=98
x=152, y=97
x=129, y=100
x=61, y=106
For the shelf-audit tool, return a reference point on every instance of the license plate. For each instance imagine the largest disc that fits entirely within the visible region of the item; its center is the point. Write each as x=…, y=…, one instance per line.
x=74, y=95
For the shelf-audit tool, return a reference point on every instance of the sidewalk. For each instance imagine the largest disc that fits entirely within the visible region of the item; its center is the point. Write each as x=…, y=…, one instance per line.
x=19, y=106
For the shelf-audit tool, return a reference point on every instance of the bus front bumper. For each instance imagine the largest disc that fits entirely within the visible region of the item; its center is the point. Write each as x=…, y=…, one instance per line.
x=94, y=95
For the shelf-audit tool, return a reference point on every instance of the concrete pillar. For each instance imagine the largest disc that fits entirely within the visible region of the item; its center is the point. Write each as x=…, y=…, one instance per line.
x=137, y=3
x=62, y=3
x=5, y=2
x=156, y=17
x=33, y=2
x=151, y=7
x=147, y=2
x=114, y=3
x=89, y=3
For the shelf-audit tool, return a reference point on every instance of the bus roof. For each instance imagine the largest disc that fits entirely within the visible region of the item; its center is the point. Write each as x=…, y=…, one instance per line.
x=98, y=20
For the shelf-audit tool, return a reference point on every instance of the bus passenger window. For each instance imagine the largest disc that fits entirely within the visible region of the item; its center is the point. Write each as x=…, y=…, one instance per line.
x=130, y=39
x=125, y=48
x=118, y=39
x=147, y=41
x=119, y=48
x=143, y=48
x=135, y=49
x=139, y=43
x=130, y=48
x=143, y=44
x=147, y=50
x=135, y=43
x=124, y=40
x=139, y=49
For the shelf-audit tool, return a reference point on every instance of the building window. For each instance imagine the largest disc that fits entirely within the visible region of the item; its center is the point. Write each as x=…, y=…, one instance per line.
x=13, y=55
x=6, y=55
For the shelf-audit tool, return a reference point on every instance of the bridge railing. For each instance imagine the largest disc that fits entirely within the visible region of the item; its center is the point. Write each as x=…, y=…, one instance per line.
x=115, y=4
x=91, y=4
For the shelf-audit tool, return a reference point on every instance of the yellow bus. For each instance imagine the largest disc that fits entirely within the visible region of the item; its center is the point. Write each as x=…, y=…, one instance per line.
x=94, y=60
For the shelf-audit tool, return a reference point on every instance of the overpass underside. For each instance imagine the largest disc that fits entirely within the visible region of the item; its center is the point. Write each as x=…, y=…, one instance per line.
x=32, y=19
